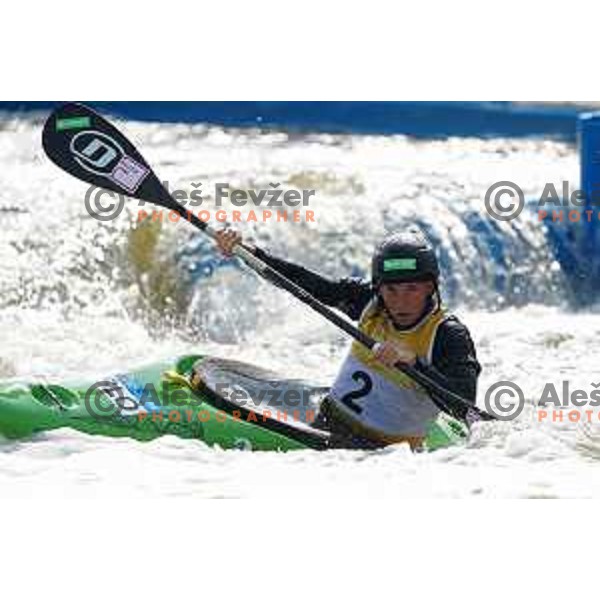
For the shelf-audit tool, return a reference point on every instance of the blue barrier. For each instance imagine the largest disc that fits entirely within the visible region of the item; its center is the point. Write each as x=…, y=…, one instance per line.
x=418, y=119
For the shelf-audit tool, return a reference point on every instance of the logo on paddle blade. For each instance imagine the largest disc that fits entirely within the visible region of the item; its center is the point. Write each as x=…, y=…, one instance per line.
x=96, y=152
x=102, y=155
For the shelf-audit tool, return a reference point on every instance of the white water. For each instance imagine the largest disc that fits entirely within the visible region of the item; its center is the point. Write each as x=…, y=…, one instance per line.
x=74, y=303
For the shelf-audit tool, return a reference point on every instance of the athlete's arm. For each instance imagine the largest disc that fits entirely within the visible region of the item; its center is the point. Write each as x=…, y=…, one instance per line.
x=454, y=360
x=347, y=295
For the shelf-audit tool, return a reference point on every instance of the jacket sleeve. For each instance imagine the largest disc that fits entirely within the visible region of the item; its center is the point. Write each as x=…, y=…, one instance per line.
x=454, y=360
x=349, y=296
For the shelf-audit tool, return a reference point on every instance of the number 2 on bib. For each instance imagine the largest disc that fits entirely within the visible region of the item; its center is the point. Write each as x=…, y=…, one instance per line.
x=349, y=398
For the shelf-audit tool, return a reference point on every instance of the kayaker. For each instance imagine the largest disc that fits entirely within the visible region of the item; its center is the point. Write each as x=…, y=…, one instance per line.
x=370, y=404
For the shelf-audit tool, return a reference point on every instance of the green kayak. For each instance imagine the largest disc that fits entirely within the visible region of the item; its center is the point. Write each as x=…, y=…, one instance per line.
x=221, y=402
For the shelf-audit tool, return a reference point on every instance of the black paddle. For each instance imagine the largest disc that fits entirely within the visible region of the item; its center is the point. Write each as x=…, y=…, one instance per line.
x=88, y=147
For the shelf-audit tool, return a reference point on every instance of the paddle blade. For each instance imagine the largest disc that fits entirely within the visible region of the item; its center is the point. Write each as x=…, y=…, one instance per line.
x=87, y=146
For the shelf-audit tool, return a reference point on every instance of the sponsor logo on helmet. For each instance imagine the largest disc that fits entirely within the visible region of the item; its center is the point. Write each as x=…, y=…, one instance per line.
x=400, y=264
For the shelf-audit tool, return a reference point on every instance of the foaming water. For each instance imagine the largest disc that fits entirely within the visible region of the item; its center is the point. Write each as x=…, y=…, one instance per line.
x=81, y=298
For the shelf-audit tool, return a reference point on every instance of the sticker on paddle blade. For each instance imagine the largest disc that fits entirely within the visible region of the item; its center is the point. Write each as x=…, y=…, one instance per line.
x=99, y=153
x=73, y=123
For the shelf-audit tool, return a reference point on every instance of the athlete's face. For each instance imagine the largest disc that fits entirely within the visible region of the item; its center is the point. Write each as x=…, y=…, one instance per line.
x=405, y=302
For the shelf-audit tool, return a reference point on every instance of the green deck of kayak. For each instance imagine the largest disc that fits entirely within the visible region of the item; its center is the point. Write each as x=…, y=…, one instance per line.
x=30, y=408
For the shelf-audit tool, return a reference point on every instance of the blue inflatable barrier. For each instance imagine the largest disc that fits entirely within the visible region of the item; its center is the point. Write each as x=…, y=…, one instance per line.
x=576, y=244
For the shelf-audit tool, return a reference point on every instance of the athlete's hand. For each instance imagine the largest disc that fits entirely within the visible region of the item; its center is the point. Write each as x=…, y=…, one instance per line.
x=390, y=353
x=227, y=240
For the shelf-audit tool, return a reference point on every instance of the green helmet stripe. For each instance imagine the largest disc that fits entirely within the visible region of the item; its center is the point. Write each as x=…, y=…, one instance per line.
x=399, y=264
